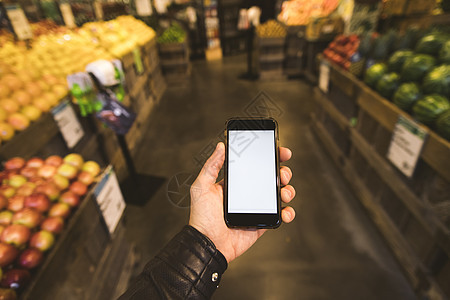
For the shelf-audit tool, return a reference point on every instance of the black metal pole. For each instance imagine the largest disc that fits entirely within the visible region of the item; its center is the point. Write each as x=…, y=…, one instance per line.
x=127, y=155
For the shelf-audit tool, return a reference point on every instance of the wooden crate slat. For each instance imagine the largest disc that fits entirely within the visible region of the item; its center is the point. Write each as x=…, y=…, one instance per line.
x=348, y=83
x=36, y=136
x=414, y=269
x=333, y=112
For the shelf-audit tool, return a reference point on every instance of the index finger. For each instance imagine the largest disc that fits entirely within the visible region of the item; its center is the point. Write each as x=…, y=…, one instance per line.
x=285, y=154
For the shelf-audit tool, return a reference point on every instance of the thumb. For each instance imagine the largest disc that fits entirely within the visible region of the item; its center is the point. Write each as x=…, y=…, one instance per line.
x=210, y=171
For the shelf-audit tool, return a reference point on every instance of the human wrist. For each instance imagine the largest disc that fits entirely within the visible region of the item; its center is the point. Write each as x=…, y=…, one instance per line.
x=211, y=237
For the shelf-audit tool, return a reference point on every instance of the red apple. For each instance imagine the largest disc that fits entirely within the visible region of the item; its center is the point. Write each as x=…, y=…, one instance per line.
x=8, y=294
x=91, y=167
x=3, y=202
x=15, y=234
x=35, y=162
x=28, y=217
x=70, y=198
x=47, y=171
x=74, y=159
x=26, y=189
x=17, y=180
x=8, y=254
x=49, y=189
x=7, y=191
x=38, y=201
x=18, y=121
x=15, y=163
x=42, y=240
x=53, y=224
x=78, y=188
x=15, y=279
x=16, y=202
x=60, y=181
x=54, y=160
x=59, y=210
x=30, y=258
x=86, y=178
x=5, y=217
x=68, y=171
x=37, y=180
x=29, y=172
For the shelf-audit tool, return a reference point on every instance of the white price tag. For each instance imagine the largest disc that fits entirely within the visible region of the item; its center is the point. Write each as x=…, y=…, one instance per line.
x=406, y=144
x=19, y=22
x=68, y=123
x=67, y=14
x=110, y=199
x=144, y=8
x=324, y=77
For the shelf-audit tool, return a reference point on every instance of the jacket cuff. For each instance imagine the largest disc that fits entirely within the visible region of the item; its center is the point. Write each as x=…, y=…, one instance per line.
x=196, y=258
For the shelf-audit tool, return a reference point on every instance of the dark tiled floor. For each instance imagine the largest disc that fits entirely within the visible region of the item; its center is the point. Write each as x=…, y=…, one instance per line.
x=331, y=250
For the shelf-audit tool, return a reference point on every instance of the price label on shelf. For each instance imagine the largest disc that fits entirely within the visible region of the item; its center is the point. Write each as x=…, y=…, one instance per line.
x=19, y=22
x=110, y=200
x=324, y=77
x=66, y=11
x=68, y=123
x=406, y=145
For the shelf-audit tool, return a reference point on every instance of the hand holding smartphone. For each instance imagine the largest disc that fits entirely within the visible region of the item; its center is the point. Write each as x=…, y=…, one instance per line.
x=252, y=174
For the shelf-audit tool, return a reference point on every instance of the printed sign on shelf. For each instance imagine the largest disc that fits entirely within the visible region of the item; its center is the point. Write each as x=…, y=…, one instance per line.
x=406, y=145
x=324, y=77
x=68, y=123
x=110, y=200
x=19, y=22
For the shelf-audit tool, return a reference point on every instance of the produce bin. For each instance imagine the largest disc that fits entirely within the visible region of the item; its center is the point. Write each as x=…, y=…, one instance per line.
x=411, y=214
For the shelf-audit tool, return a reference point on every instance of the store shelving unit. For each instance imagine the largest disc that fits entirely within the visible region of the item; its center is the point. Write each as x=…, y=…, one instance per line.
x=411, y=214
x=232, y=40
x=85, y=247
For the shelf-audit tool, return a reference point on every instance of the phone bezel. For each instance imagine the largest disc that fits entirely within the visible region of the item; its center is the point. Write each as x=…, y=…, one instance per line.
x=256, y=220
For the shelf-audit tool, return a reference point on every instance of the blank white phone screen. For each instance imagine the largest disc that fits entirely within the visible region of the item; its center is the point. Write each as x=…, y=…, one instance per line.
x=252, y=172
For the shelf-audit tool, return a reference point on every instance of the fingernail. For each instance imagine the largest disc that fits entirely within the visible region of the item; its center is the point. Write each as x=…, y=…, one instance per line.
x=285, y=176
x=288, y=192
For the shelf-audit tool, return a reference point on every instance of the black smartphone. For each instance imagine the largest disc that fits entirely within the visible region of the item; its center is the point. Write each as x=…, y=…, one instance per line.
x=252, y=174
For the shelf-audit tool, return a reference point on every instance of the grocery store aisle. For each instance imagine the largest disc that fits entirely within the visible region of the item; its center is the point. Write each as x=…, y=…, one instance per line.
x=331, y=250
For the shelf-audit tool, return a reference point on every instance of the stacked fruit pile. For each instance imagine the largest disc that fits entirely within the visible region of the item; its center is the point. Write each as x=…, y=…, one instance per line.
x=299, y=12
x=34, y=80
x=173, y=34
x=24, y=98
x=342, y=49
x=271, y=29
x=418, y=81
x=36, y=198
x=119, y=36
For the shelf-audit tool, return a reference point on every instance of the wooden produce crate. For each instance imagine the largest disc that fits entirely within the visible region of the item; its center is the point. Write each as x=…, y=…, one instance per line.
x=132, y=74
x=174, y=59
x=411, y=214
x=157, y=83
x=408, y=7
x=270, y=57
x=86, y=262
x=150, y=56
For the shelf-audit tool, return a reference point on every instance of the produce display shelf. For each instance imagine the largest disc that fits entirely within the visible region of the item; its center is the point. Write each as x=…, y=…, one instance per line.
x=415, y=271
x=52, y=269
x=26, y=142
x=359, y=124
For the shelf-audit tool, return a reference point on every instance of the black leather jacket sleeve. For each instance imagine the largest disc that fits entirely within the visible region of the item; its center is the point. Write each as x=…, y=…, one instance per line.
x=189, y=267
